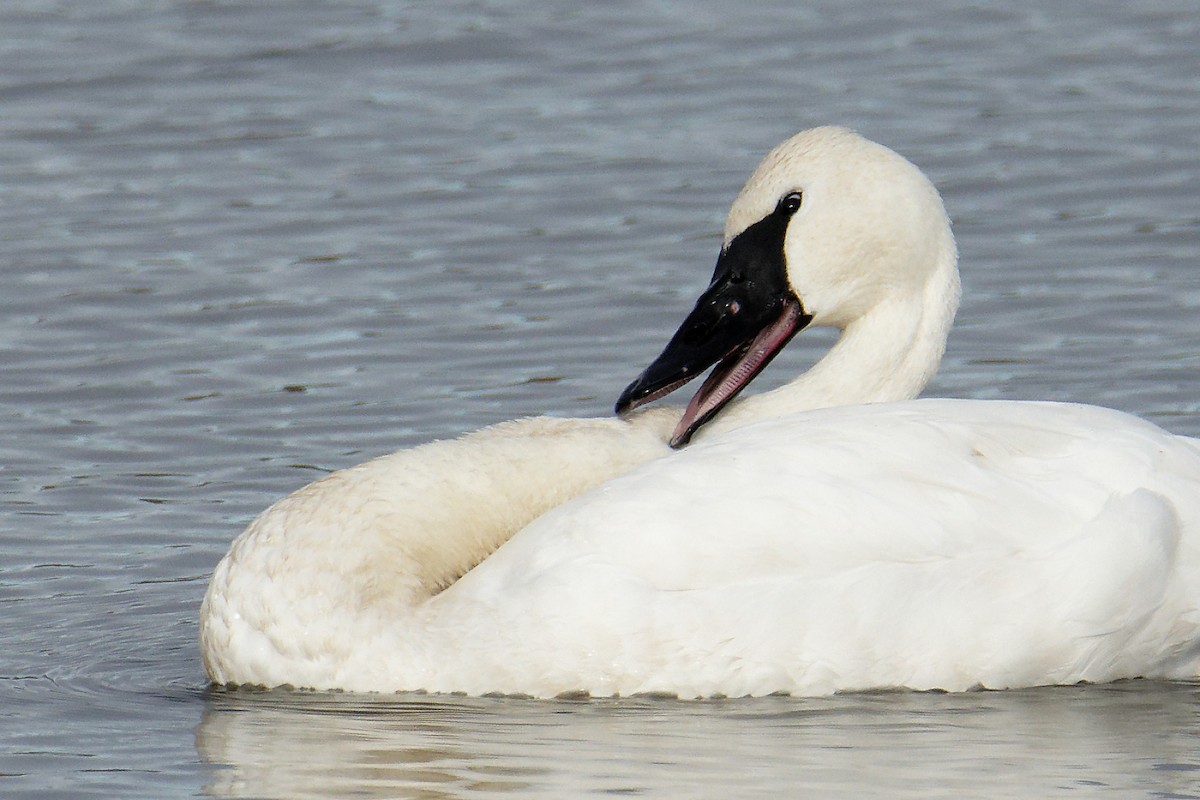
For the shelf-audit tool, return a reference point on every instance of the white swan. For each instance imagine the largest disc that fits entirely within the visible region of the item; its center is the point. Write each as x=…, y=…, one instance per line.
x=832, y=534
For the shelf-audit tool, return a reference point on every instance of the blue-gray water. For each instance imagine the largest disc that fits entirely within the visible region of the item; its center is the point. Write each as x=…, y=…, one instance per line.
x=244, y=243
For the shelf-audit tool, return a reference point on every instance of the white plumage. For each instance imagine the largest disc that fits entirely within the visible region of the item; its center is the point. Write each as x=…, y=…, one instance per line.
x=832, y=534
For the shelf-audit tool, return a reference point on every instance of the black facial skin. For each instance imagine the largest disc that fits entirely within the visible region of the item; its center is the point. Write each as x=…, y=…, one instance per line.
x=748, y=292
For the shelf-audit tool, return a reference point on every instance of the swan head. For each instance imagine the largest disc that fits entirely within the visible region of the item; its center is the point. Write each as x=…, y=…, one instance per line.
x=829, y=227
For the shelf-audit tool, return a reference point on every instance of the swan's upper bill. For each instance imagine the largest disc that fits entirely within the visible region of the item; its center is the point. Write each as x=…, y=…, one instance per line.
x=817, y=537
x=830, y=229
x=746, y=316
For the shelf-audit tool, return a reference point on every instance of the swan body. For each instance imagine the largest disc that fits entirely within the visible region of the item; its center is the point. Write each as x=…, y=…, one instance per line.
x=832, y=534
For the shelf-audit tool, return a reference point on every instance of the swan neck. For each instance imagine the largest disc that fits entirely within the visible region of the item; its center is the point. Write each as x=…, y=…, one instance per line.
x=888, y=354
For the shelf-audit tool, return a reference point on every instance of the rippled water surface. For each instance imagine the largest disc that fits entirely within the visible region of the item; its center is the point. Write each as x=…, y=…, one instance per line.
x=246, y=243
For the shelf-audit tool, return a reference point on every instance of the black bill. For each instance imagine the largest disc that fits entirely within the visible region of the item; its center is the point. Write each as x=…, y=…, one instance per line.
x=743, y=319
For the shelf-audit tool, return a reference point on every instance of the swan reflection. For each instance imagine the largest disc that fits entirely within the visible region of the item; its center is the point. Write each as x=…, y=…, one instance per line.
x=1136, y=736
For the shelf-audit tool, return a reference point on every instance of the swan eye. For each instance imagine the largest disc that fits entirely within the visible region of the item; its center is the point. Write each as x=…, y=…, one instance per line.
x=791, y=202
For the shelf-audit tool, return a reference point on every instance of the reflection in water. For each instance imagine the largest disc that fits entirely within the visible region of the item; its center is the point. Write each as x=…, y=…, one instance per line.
x=1134, y=737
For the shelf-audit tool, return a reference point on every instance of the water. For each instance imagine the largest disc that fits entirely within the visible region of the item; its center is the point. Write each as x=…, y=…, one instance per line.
x=246, y=243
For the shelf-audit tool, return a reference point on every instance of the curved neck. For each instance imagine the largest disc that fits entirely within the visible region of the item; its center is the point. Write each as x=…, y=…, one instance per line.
x=888, y=354
x=434, y=512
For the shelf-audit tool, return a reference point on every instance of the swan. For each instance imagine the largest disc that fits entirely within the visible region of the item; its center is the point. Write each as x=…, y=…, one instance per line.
x=832, y=534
